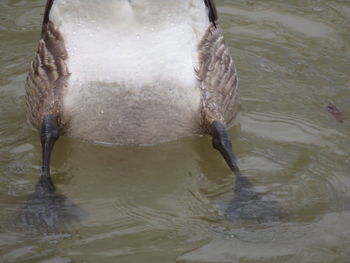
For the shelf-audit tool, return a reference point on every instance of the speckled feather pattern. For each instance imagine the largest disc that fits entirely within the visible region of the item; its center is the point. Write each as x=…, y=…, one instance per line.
x=218, y=78
x=47, y=78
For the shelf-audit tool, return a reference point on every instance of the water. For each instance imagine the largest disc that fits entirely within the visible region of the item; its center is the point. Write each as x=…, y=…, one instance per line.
x=166, y=203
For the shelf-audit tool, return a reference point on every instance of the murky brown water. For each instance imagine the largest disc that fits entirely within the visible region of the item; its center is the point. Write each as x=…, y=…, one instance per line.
x=165, y=203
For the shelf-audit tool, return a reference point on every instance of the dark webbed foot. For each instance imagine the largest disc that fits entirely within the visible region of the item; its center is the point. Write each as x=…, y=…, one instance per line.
x=46, y=209
x=47, y=212
x=246, y=204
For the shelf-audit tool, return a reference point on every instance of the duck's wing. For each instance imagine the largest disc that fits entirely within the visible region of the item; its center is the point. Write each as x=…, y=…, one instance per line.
x=218, y=78
x=47, y=75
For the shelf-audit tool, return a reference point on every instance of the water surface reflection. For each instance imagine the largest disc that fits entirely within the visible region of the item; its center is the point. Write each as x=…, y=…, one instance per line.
x=167, y=203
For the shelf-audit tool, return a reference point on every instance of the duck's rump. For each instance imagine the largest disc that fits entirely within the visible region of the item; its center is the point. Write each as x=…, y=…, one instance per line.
x=132, y=74
x=127, y=114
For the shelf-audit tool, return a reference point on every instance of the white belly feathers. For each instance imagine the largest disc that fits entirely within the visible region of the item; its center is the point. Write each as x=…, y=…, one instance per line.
x=132, y=73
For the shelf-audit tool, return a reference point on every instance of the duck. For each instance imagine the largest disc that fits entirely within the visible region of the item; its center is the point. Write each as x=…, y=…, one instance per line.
x=131, y=72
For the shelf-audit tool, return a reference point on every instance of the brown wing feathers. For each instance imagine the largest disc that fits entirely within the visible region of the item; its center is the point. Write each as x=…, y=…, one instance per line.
x=47, y=75
x=217, y=75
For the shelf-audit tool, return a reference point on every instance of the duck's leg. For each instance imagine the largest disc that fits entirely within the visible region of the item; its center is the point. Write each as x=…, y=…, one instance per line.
x=246, y=204
x=222, y=142
x=48, y=135
x=47, y=209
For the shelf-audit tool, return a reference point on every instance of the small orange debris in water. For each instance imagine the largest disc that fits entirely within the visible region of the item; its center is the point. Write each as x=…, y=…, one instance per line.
x=332, y=109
